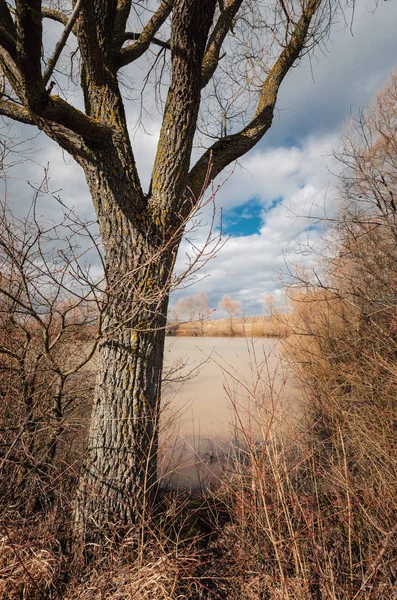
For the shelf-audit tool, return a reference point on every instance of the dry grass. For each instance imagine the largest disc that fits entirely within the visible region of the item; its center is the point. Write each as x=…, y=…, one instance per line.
x=242, y=327
x=308, y=518
x=30, y=566
x=304, y=525
x=159, y=577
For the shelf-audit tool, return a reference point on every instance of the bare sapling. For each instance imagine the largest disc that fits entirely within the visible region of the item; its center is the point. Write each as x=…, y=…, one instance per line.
x=233, y=308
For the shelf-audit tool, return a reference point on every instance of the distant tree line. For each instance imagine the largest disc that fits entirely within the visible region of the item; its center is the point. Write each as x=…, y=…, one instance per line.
x=196, y=309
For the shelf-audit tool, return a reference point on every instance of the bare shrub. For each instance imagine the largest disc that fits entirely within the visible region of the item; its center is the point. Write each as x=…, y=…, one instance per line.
x=308, y=519
x=49, y=323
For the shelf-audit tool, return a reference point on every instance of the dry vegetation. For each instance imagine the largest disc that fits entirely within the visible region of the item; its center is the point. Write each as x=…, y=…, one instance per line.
x=311, y=517
x=191, y=316
x=271, y=326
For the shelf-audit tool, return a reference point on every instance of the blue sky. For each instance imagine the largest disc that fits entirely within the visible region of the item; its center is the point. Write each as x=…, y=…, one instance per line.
x=245, y=219
x=273, y=196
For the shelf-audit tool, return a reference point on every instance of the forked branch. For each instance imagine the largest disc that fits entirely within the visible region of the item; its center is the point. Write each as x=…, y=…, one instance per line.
x=230, y=148
x=221, y=29
x=147, y=36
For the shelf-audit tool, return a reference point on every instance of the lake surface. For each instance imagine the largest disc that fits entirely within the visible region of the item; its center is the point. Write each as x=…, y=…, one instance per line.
x=219, y=392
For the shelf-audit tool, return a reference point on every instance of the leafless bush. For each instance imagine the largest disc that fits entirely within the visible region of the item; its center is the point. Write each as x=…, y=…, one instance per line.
x=50, y=319
x=344, y=345
x=310, y=517
x=345, y=318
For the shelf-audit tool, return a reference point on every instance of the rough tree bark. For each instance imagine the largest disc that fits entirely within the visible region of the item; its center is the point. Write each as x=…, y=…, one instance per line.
x=140, y=232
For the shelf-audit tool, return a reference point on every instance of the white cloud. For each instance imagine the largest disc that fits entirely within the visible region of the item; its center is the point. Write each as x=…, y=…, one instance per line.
x=250, y=267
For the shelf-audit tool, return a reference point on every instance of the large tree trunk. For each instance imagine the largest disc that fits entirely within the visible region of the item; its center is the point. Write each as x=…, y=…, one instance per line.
x=120, y=472
x=141, y=235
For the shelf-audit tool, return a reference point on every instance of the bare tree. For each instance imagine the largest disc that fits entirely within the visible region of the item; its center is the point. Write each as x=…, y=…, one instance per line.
x=203, y=309
x=232, y=307
x=268, y=304
x=230, y=58
x=185, y=310
x=191, y=309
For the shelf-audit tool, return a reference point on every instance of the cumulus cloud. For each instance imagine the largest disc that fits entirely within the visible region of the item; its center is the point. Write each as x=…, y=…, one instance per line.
x=249, y=267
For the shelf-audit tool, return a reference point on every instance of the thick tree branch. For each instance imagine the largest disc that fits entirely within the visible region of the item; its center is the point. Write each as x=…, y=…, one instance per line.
x=191, y=22
x=62, y=113
x=60, y=121
x=6, y=19
x=54, y=15
x=92, y=58
x=58, y=17
x=129, y=35
x=68, y=140
x=29, y=30
x=7, y=42
x=102, y=97
x=139, y=47
x=232, y=147
x=221, y=29
x=10, y=70
x=120, y=23
x=7, y=30
x=15, y=112
x=105, y=17
x=61, y=42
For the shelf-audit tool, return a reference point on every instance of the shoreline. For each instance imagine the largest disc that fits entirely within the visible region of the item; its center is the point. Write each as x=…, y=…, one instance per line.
x=249, y=327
